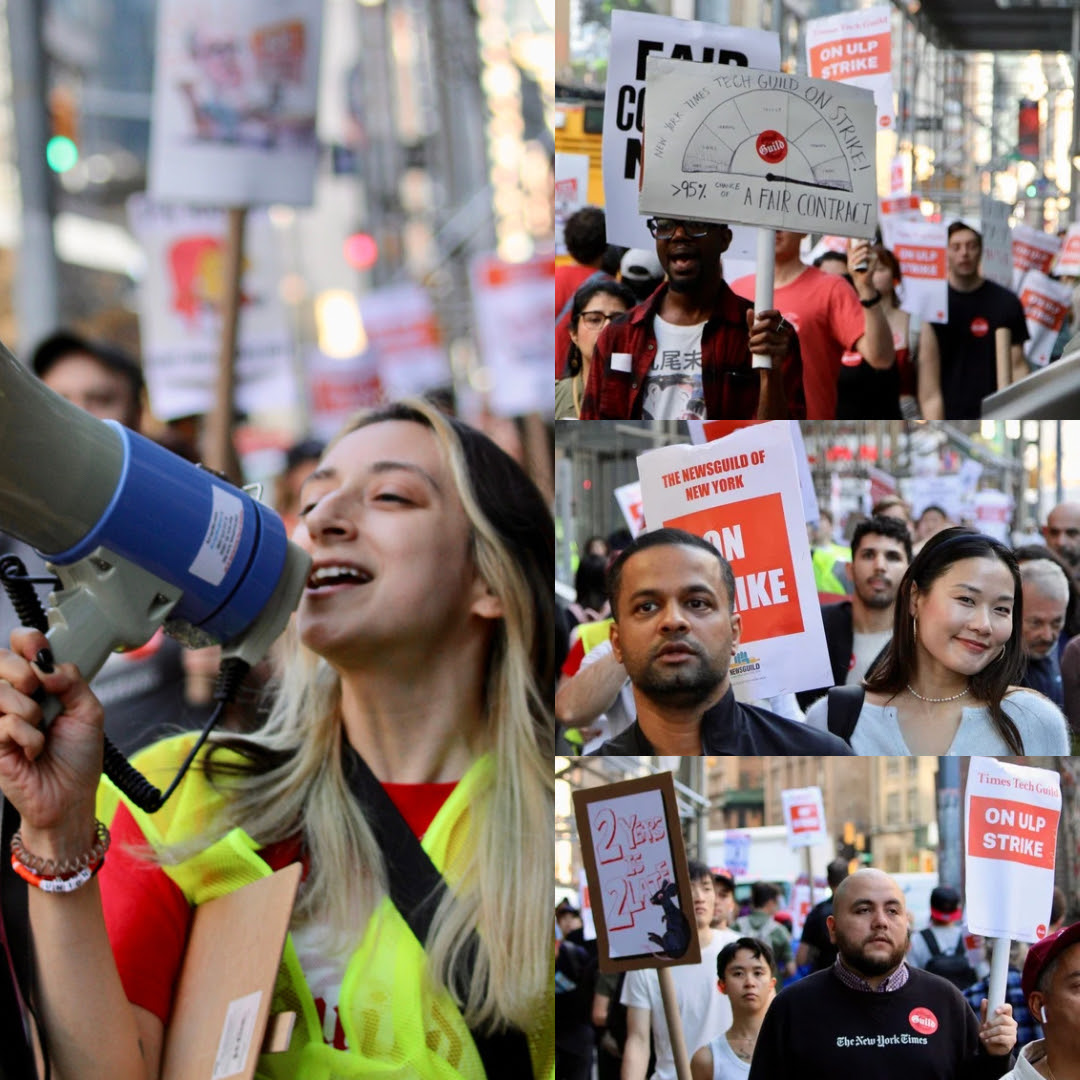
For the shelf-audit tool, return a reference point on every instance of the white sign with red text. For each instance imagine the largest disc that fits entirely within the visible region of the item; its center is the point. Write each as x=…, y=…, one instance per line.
x=900, y=206
x=1032, y=249
x=1046, y=305
x=634, y=37
x=1068, y=259
x=919, y=247
x=996, y=241
x=1011, y=815
x=804, y=816
x=900, y=174
x=993, y=513
x=855, y=47
x=571, y=192
x=742, y=494
x=629, y=499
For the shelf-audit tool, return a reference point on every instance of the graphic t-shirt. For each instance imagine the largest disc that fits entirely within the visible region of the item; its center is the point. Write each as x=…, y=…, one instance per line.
x=673, y=384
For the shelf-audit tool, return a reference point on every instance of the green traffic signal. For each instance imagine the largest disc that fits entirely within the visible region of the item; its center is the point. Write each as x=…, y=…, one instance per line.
x=1031, y=191
x=61, y=153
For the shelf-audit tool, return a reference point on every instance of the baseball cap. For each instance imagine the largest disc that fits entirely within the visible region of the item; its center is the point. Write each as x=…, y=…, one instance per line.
x=565, y=907
x=725, y=878
x=639, y=264
x=1043, y=953
x=945, y=904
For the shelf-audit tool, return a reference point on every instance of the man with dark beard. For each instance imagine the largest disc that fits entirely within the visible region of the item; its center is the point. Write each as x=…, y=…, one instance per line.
x=675, y=632
x=858, y=629
x=685, y=352
x=870, y=1015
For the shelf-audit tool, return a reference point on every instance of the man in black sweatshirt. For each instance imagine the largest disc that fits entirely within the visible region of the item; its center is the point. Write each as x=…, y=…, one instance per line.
x=870, y=1015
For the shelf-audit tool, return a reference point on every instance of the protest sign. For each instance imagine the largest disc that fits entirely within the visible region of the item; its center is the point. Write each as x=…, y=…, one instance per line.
x=944, y=491
x=742, y=494
x=736, y=852
x=571, y=192
x=919, y=247
x=1068, y=259
x=635, y=36
x=993, y=513
x=588, y=924
x=180, y=301
x=1011, y=817
x=635, y=864
x=514, y=304
x=758, y=148
x=338, y=388
x=629, y=499
x=900, y=174
x=996, y=242
x=855, y=47
x=804, y=816
x=1046, y=305
x=235, y=89
x=1032, y=249
x=403, y=333
x=899, y=207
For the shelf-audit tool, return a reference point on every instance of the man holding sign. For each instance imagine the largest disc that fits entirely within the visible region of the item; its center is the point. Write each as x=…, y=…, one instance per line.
x=675, y=631
x=870, y=1015
x=685, y=353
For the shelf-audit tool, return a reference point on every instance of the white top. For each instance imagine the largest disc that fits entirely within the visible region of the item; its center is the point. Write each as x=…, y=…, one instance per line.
x=673, y=389
x=1040, y=722
x=726, y=1064
x=705, y=1012
x=865, y=648
x=1026, y=1061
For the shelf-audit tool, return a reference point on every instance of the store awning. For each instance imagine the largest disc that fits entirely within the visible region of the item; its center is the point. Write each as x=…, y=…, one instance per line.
x=984, y=26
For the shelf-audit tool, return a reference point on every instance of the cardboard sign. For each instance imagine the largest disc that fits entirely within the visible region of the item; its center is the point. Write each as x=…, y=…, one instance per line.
x=1046, y=305
x=742, y=494
x=235, y=90
x=1032, y=249
x=919, y=247
x=629, y=499
x=996, y=241
x=1011, y=817
x=226, y=982
x=571, y=192
x=635, y=36
x=804, y=816
x=855, y=47
x=1068, y=260
x=758, y=148
x=635, y=864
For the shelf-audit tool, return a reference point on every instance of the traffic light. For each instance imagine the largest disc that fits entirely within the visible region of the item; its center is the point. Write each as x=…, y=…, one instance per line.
x=1031, y=191
x=62, y=149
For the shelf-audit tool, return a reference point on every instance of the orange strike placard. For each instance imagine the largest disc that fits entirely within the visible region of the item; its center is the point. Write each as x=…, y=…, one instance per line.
x=1012, y=831
x=804, y=818
x=753, y=536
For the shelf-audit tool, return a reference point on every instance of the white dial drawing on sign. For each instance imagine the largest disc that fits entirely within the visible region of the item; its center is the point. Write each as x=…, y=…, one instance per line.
x=745, y=135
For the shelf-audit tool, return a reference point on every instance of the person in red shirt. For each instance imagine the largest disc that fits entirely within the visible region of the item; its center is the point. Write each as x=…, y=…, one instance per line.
x=685, y=353
x=827, y=315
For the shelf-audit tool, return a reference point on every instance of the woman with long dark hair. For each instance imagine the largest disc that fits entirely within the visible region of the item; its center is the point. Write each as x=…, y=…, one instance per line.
x=946, y=682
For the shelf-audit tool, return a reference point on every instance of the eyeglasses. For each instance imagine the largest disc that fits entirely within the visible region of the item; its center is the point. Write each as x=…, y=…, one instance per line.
x=595, y=319
x=664, y=228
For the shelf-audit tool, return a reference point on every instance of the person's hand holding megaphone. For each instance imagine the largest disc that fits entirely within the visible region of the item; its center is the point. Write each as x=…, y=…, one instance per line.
x=50, y=777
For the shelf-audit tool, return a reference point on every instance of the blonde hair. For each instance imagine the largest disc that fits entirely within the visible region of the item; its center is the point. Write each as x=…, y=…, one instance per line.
x=296, y=781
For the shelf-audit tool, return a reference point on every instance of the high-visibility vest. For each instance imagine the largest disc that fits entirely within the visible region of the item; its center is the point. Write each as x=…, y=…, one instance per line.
x=592, y=634
x=398, y=1025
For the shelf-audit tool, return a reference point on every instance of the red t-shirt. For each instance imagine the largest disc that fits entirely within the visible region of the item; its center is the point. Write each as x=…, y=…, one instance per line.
x=147, y=916
x=827, y=316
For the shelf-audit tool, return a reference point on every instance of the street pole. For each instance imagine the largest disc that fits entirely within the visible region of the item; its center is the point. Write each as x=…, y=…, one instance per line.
x=950, y=858
x=37, y=292
x=1074, y=173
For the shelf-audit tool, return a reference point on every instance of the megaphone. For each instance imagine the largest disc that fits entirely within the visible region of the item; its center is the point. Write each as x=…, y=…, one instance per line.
x=138, y=537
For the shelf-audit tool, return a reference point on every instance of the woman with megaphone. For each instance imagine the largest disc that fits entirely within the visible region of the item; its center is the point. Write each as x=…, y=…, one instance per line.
x=405, y=763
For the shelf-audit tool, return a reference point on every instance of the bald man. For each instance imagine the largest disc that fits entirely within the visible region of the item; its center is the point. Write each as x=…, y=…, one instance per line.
x=870, y=1014
x=1062, y=533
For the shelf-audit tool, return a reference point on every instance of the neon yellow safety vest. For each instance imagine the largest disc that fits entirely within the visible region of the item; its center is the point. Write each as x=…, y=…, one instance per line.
x=592, y=634
x=398, y=1024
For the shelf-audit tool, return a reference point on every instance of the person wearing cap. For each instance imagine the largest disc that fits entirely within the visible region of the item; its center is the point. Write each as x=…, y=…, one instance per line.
x=942, y=946
x=871, y=1014
x=640, y=271
x=1050, y=984
x=727, y=910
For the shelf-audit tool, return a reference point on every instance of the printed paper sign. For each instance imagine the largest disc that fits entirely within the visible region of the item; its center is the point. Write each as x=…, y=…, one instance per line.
x=1046, y=305
x=742, y=494
x=1068, y=260
x=635, y=864
x=235, y=87
x=339, y=388
x=944, y=491
x=919, y=247
x=759, y=148
x=635, y=36
x=900, y=174
x=855, y=47
x=1032, y=250
x=571, y=192
x=898, y=207
x=804, y=816
x=996, y=242
x=588, y=924
x=993, y=513
x=629, y=499
x=737, y=852
x=1011, y=822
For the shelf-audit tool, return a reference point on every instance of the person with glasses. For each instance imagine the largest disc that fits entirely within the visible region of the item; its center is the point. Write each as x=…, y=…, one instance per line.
x=594, y=305
x=831, y=319
x=686, y=352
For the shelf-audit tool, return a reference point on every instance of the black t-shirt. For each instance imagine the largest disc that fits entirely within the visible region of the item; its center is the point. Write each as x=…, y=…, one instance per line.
x=966, y=345
x=820, y=1029
x=868, y=393
x=815, y=933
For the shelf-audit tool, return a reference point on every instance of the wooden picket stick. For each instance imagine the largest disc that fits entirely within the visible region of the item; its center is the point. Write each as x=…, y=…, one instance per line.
x=1003, y=348
x=674, y=1023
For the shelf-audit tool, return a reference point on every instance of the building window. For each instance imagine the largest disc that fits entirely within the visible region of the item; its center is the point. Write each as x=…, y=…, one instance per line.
x=892, y=809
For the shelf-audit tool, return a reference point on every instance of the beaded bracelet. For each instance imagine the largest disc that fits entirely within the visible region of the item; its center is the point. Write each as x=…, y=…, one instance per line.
x=64, y=876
